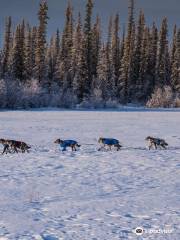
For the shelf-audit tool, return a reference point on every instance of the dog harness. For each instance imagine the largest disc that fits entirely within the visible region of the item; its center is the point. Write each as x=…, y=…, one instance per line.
x=110, y=141
x=67, y=143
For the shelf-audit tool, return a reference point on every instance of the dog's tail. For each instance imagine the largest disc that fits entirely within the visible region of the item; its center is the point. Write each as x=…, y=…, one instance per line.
x=119, y=146
x=27, y=147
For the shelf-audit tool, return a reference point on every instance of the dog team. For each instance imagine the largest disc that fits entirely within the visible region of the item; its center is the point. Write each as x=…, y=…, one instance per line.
x=12, y=146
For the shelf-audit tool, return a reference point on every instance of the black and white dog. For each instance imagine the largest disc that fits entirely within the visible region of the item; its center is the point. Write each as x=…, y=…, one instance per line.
x=156, y=142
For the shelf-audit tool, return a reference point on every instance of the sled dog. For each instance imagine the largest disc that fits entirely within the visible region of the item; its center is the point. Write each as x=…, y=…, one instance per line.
x=68, y=143
x=6, y=146
x=109, y=142
x=13, y=145
x=156, y=142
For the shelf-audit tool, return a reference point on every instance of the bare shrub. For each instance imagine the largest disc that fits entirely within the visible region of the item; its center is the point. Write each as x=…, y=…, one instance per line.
x=162, y=97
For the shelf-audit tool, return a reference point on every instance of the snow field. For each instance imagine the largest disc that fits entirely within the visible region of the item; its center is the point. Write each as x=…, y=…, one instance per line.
x=51, y=195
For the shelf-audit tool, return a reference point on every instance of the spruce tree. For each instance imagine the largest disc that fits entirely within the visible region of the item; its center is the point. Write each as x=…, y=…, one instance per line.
x=122, y=45
x=28, y=54
x=57, y=43
x=17, y=57
x=116, y=53
x=88, y=49
x=143, y=78
x=101, y=80
x=56, y=52
x=175, y=75
x=18, y=53
x=7, y=47
x=96, y=45
x=77, y=62
x=173, y=47
x=40, y=55
x=53, y=55
x=100, y=93
x=66, y=50
x=34, y=33
x=163, y=60
x=138, y=52
x=151, y=61
x=109, y=85
x=127, y=60
x=22, y=49
x=1, y=62
x=50, y=64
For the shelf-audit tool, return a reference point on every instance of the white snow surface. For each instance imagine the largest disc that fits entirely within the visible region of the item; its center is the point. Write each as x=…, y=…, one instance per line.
x=89, y=195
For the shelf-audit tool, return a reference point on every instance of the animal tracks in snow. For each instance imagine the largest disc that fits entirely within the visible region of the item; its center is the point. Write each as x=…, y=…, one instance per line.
x=89, y=194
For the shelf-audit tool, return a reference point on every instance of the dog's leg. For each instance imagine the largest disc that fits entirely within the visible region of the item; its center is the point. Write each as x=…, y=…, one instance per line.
x=150, y=146
x=4, y=150
x=163, y=146
x=7, y=150
x=73, y=148
x=15, y=149
x=26, y=150
x=64, y=149
x=155, y=145
x=6, y=147
x=99, y=149
x=12, y=150
x=118, y=147
x=102, y=147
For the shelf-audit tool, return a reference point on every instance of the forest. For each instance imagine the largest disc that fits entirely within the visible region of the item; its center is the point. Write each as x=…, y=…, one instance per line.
x=78, y=67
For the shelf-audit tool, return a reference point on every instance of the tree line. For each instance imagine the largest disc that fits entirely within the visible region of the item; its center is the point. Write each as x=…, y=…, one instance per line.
x=138, y=64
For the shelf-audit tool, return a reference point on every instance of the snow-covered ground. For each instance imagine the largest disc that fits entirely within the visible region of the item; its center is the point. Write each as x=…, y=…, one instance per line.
x=90, y=195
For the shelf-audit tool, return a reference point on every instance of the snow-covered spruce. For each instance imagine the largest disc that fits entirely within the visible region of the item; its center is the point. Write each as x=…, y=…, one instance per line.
x=81, y=67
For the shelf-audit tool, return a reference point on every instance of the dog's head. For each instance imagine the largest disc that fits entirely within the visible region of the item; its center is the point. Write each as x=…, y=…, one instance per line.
x=58, y=141
x=100, y=140
x=2, y=140
x=148, y=138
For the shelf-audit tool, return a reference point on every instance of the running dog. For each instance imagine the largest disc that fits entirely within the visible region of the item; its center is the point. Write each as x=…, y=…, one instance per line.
x=13, y=145
x=68, y=143
x=156, y=142
x=6, y=146
x=109, y=142
x=19, y=145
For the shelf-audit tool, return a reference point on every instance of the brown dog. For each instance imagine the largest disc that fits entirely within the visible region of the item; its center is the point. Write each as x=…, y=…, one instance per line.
x=13, y=145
